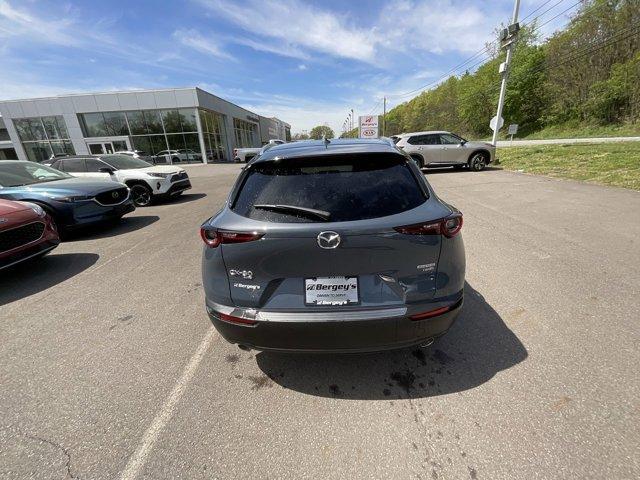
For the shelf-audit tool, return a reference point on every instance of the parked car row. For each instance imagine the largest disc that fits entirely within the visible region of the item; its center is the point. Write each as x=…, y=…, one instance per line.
x=147, y=182
x=39, y=203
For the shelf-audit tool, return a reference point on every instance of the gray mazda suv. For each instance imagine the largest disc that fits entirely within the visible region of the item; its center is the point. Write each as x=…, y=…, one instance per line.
x=338, y=246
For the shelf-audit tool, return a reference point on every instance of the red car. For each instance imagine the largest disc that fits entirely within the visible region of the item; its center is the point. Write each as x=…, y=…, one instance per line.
x=26, y=231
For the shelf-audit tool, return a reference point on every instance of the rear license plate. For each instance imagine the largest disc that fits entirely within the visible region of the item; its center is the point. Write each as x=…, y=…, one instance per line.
x=331, y=291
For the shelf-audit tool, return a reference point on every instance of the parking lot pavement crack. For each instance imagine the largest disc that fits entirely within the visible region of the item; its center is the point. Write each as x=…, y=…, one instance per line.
x=65, y=451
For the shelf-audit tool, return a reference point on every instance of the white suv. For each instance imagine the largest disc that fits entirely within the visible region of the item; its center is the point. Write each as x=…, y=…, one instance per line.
x=445, y=149
x=145, y=181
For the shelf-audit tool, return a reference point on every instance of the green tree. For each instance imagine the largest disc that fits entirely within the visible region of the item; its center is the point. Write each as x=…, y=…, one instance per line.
x=321, y=131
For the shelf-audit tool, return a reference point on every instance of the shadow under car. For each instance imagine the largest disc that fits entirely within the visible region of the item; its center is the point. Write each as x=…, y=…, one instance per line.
x=477, y=347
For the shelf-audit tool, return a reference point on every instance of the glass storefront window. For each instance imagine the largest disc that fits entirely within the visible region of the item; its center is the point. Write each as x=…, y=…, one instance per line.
x=153, y=121
x=43, y=136
x=171, y=121
x=188, y=119
x=8, y=154
x=245, y=133
x=176, y=142
x=37, y=151
x=55, y=128
x=62, y=147
x=192, y=144
x=115, y=123
x=22, y=127
x=136, y=122
x=93, y=125
x=151, y=144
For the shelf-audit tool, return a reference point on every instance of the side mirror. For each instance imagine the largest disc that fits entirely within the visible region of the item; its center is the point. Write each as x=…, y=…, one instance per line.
x=462, y=142
x=108, y=170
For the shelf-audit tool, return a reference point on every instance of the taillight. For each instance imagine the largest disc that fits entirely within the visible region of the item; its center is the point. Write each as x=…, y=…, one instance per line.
x=430, y=313
x=435, y=312
x=213, y=237
x=231, y=319
x=449, y=227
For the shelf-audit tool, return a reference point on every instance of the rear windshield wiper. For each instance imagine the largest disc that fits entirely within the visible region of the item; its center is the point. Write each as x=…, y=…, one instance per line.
x=292, y=208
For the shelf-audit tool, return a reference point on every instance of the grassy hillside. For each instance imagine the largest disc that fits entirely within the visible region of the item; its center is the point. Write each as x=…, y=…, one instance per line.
x=613, y=164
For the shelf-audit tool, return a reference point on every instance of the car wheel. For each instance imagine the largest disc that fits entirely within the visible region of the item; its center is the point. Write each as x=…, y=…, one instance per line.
x=175, y=160
x=141, y=195
x=478, y=162
x=417, y=161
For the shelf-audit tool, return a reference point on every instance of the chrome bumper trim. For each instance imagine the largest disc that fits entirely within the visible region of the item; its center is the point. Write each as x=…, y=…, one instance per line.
x=333, y=316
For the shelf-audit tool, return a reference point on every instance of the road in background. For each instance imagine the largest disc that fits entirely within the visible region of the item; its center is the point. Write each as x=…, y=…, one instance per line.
x=110, y=369
x=556, y=141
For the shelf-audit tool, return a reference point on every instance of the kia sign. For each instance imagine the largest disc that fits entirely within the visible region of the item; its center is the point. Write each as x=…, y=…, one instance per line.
x=368, y=126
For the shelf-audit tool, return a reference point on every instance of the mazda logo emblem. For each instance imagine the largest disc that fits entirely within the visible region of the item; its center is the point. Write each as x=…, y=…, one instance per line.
x=328, y=240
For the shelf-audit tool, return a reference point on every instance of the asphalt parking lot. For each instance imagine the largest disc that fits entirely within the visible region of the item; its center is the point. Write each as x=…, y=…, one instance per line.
x=110, y=368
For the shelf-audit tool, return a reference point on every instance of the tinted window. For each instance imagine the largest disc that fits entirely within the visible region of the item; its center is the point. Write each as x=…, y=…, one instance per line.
x=123, y=162
x=74, y=165
x=94, y=165
x=347, y=187
x=26, y=173
x=448, y=139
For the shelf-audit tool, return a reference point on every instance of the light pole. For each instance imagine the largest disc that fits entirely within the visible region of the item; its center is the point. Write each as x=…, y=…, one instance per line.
x=353, y=121
x=511, y=35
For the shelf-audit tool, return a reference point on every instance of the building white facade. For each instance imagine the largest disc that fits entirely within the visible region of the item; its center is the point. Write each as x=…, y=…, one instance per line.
x=191, y=121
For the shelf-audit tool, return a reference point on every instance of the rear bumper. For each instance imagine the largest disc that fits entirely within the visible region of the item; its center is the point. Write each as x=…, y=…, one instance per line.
x=384, y=329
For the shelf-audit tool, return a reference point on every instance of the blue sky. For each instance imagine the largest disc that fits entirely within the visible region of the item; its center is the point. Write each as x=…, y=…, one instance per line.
x=307, y=63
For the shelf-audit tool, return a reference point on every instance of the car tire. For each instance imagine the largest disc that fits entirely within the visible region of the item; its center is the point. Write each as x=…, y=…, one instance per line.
x=478, y=162
x=175, y=160
x=418, y=161
x=141, y=195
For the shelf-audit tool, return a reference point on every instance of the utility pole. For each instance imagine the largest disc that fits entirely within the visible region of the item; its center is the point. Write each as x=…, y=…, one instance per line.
x=384, y=116
x=352, y=121
x=509, y=34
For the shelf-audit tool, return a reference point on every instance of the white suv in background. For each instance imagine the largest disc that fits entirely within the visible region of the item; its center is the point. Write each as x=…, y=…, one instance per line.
x=445, y=149
x=145, y=181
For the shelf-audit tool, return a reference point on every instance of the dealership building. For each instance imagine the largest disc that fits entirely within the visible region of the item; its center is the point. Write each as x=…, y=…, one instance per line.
x=178, y=124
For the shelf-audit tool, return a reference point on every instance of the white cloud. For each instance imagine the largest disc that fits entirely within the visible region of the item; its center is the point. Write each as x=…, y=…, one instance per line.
x=438, y=26
x=281, y=48
x=299, y=24
x=15, y=22
x=193, y=39
x=302, y=67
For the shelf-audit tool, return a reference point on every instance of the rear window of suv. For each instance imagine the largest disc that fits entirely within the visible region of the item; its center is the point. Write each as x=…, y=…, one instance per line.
x=347, y=188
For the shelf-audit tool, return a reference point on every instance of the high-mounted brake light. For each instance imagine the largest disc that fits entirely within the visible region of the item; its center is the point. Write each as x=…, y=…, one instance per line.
x=213, y=237
x=449, y=227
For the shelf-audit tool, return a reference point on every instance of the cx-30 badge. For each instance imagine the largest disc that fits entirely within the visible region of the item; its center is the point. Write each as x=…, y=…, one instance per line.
x=328, y=240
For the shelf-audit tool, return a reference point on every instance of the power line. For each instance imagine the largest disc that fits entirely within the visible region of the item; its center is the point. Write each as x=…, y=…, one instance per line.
x=543, y=13
x=486, y=49
x=534, y=11
x=580, y=52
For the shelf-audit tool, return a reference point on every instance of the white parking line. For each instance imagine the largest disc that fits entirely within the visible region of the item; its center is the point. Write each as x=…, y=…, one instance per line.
x=139, y=457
